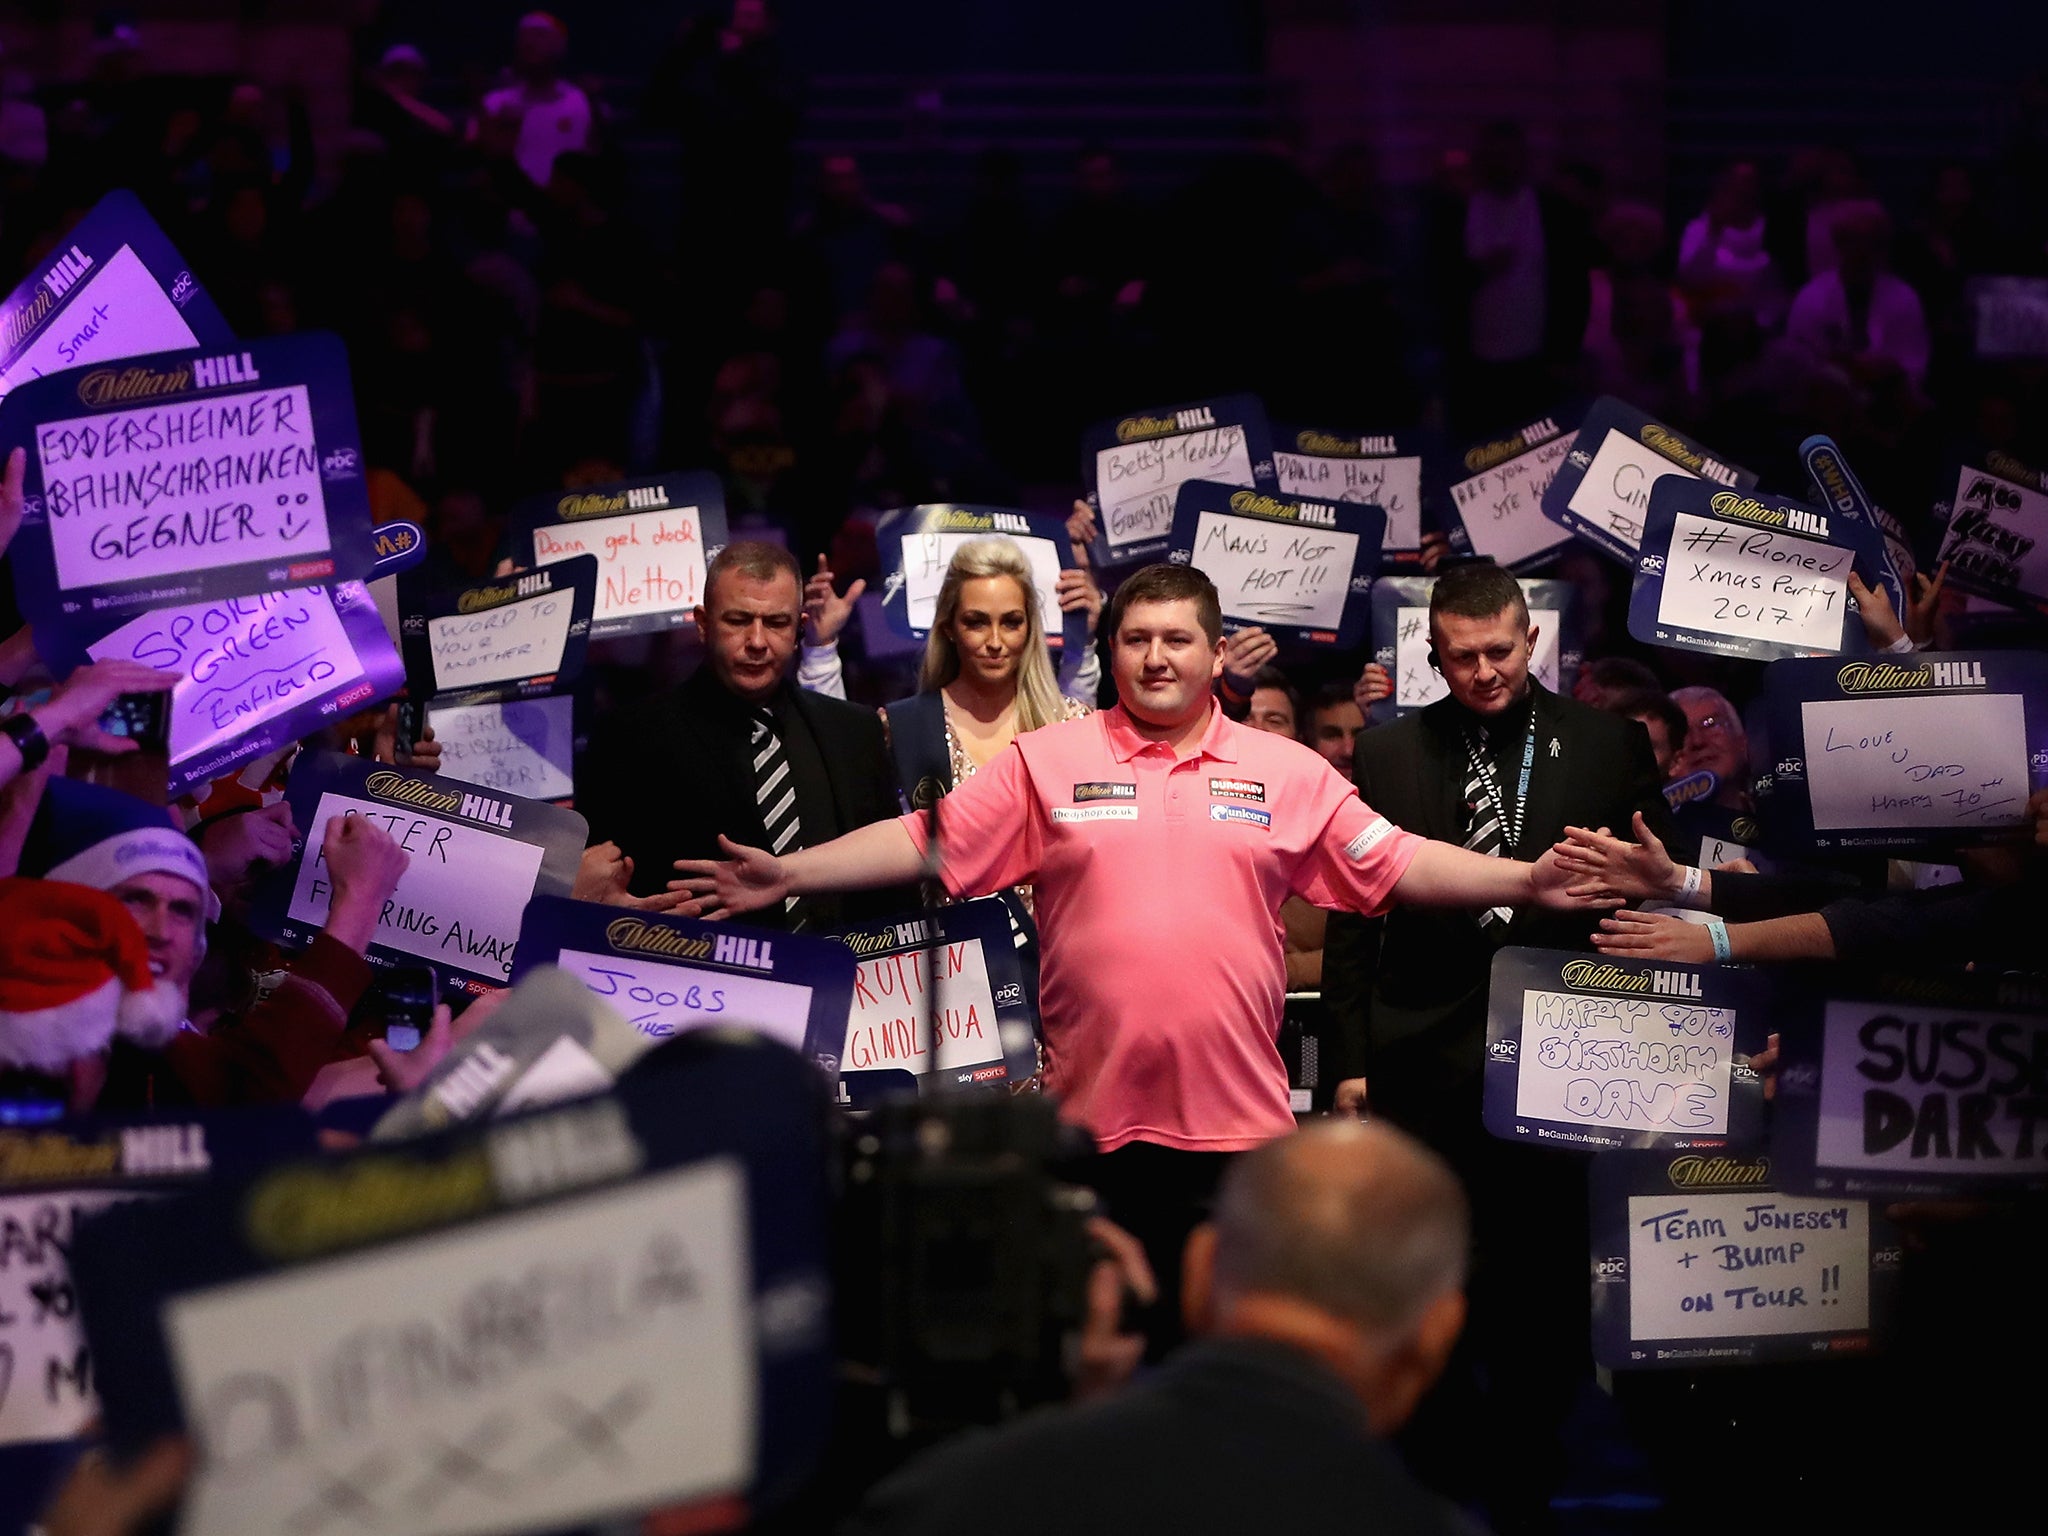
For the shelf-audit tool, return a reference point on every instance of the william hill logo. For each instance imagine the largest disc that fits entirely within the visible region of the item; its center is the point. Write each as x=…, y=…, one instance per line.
x=1694, y=1171
x=635, y=935
x=478, y=598
x=1133, y=429
x=1328, y=445
x=1486, y=455
x=1679, y=451
x=386, y=784
x=1889, y=677
x=1258, y=504
x=1747, y=509
x=1604, y=976
x=636, y=498
x=215, y=372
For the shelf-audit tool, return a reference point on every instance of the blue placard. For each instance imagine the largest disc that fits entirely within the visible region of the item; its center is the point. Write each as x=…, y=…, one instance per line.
x=112, y=287
x=185, y=477
x=259, y=672
x=940, y=996
x=1133, y=468
x=1930, y=750
x=1601, y=491
x=52, y=1179
x=1741, y=573
x=536, y=1323
x=1996, y=540
x=1496, y=495
x=1700, y=1260
x=1400, y=639
x=476, y=858
x=915, y=546
x=1301, y=570
x=1398, y=472
x=516, y=637
x=1915, y=1087
x=652, y=537
x=1599, y=1052
x=670, y=975
x=1843, y=493
x=398, y=545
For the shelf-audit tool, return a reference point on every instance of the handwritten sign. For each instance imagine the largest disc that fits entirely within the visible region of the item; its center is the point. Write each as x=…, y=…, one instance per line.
x=258, y=672
x=669, y=975
x=1400, y=633
x=524, y=747
x=112, y=288
x=1997, y=539
x=336, y=1330
x=512, y=637
x=944, y=1003
x=917, y=545
x=1602, y=490
x=1916, y=1086
x=1699, y=1260
x=1301, y=569
x=652, y=540
x=476, y=858
x=1499, y=503
x=188, y=476
x=1134, y=468
x=1383, y=470
x=1735, y=573
x=1934, y=749
x=45, y=1369
x=2009, y=316
x=1592, y=1052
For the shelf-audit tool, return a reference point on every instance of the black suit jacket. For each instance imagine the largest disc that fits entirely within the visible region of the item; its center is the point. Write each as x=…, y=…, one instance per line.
x=1407, y=992
x=664, y=778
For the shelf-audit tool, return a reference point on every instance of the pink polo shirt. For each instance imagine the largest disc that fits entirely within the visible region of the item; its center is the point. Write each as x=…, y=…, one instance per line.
x=1158, y=884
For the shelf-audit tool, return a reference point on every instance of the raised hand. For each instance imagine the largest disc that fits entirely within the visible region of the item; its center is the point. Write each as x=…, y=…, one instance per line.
x=1553, y=884
x=1374, y=683
x=826, y=611
x=1654, y=936
x=1638, y=871
x=72, y=716
x=1077, y=590
x=747, y=881
x=1244, y=653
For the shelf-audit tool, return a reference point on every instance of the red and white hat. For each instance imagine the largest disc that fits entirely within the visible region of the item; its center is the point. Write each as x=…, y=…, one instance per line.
x=73, y=967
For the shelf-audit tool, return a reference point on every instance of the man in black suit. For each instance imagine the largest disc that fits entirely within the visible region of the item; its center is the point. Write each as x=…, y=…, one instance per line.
x=737, y=748
x=1502, y=765
x=1324, y=1299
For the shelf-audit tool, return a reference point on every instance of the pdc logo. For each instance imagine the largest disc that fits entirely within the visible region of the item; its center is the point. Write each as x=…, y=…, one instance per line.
x=1610, y=1269
x=1009, y=993
x=1502, y=1050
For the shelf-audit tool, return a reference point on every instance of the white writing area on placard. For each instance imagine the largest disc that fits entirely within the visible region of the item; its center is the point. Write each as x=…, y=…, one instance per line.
x=1998, y=533
x=1930, y=1090
x=460, y=900
x=524, y=747
x=118, y=311
x=1394, y=485
x=1615, y=495
x=1719, y=1266
x=500, y=645
x=1276, y=573
x=661, y=998
x=244, y=660
x=1136, y=483
x=647, y=562
x=1754, y=584
x=163, y=490
x=1942, y=762
x=46, y=1390
x=926, y=557
x=1625, y=1063
x=897, y=1019
x=592, y=1355
x=1417, y=683
x=1502, y=507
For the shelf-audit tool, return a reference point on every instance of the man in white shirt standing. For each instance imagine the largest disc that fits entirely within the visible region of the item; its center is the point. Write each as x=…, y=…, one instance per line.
x=552, y=116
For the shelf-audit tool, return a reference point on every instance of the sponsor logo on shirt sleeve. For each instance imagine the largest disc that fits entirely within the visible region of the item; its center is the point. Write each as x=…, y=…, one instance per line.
x=1243, y=813
x=1095, y=813
x=1375, y=830
x=1238, y=789
x=1104, y=789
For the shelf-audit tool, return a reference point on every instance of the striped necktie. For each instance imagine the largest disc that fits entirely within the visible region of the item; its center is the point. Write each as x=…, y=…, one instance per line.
x=775, y=793
x=1485, y=836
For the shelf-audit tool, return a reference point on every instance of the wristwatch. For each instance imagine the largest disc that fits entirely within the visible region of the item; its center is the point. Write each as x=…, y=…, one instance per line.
x=26, y=732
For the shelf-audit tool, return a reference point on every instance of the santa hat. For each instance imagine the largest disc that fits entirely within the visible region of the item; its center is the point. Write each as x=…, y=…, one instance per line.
x=73, y=968
x=92, y=835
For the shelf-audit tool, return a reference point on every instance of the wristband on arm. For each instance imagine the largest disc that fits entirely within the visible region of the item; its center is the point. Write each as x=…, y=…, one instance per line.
x=1717, y=932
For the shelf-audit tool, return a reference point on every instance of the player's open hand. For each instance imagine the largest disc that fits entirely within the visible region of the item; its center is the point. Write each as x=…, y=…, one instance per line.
x=752, y=878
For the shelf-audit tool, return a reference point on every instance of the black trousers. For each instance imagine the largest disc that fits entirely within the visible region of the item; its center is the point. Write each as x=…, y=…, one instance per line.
x=1158, y=1195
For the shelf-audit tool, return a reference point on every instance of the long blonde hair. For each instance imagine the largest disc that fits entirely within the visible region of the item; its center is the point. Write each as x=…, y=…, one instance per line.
x=1038, y=691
